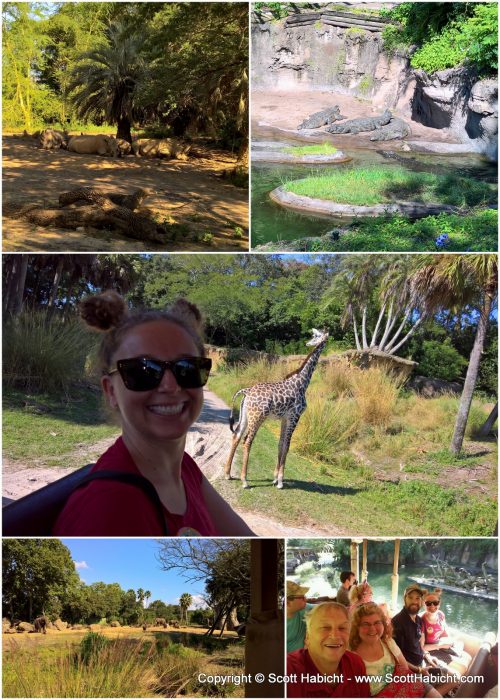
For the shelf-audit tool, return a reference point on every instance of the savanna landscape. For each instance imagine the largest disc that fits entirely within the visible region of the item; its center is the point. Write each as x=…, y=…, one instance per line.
x=100, y=640
x=125, y=126
x=374, y=126
x=400, y=424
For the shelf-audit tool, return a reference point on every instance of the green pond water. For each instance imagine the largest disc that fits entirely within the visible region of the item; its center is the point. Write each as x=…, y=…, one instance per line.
x=272, y=222
x=475, y=616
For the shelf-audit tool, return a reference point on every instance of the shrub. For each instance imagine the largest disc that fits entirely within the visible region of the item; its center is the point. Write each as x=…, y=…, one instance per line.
x=375, y=394
x=90, y=647
x=326, y=427
x=441, y=360
x=43, y=353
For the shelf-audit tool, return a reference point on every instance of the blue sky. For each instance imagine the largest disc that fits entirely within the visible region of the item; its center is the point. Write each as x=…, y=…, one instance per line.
x=132, y=564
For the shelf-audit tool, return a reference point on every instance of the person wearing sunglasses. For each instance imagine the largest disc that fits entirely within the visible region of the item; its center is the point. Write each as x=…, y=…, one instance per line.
x=439, y=643
x=389, y=673
x=153, y=369
x=296, y=608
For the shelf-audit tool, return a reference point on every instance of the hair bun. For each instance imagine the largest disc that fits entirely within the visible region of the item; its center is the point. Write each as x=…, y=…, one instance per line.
x=103, y=311
x=189, y=312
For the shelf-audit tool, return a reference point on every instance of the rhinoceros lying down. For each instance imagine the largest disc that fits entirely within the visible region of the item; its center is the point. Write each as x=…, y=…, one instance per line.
x=53, y=138
x=100, y=145
x=161, y=148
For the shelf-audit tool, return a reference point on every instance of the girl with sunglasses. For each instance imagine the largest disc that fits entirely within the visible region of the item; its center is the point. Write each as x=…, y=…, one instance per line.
x=389, y=673
x=153, y=369
x=438, y=641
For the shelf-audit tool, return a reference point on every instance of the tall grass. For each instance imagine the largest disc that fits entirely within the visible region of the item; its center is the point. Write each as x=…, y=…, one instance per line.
x=326, y=427
x=100, y=667
x=41, y=353
x=375, y=394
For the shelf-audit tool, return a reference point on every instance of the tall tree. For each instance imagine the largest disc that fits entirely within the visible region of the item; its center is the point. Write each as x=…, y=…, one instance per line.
x=185, y=601
x=463, y=280
x=105, y=82
x=36, y=575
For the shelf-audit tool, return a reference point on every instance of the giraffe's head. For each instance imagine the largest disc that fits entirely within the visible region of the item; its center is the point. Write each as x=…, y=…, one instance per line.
x=318, y=337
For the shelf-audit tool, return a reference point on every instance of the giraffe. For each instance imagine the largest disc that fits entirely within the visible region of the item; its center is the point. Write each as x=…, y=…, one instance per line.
x=285, y=399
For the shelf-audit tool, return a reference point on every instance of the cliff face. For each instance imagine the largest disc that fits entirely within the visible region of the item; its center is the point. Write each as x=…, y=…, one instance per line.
x=315, y=52
x=455, y=100
x=318, y=56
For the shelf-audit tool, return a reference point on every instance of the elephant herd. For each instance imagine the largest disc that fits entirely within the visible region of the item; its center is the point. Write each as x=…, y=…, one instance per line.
x=161, y=622
x=103, y=145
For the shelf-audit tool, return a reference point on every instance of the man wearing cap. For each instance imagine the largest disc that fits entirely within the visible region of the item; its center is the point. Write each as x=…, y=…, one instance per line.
x=408, y=628
x=347, y=581
x=296, y=608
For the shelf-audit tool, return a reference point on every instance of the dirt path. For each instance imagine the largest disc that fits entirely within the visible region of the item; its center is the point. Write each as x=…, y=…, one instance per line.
x=208, y=443
x=190, y=196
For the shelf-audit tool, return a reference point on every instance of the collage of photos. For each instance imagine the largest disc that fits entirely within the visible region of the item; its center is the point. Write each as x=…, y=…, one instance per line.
x=249, y=349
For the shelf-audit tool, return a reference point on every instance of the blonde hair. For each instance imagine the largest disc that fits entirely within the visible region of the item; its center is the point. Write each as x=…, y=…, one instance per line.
x=109, y=313
x=363, y=611
x=357, y=592
x=436, y=592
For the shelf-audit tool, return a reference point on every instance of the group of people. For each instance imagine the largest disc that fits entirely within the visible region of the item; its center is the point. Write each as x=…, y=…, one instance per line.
x=352, y=648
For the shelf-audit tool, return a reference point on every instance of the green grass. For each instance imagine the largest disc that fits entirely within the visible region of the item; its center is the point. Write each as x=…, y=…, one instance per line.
x=392, y=477
x=382, y=185
x=475, y=232
x=45, y=430
x=322, y=149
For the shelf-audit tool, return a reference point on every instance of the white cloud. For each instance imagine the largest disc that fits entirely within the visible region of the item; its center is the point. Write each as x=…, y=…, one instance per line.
x=81, y=565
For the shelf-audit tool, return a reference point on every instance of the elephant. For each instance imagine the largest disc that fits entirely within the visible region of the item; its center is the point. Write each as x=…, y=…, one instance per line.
x=161, y=148
x=161, y=622
x=101, y=145
x=40, y=624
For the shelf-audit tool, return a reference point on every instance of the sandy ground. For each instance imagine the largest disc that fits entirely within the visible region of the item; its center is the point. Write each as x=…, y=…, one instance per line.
x=190, y=193
x=208, y=442
x=279, y=111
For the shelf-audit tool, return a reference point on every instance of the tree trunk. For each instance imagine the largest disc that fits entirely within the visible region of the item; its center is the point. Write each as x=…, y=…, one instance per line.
x=17, y=279
x=488, y=424
x=56, y=282
x=471, y=377
x=123, y=129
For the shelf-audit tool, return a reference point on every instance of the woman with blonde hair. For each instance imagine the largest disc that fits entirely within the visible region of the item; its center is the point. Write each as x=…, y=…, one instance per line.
x=153, y=368
x=360, y=594
x=370, y=638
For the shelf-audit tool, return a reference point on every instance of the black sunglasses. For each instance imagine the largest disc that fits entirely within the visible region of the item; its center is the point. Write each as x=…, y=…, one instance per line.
x=431, y=602
x=144, y=373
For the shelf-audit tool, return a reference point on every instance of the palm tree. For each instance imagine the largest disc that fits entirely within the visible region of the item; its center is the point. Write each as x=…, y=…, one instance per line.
x=185, y=601
x=140, y=596
x=147, y=596
x=462, y=280
x=105, y=82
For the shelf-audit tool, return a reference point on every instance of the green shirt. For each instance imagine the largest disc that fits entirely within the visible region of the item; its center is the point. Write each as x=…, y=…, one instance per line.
x=296, y=629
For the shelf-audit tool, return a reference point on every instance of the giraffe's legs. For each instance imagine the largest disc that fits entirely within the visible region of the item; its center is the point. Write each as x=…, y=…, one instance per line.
x=253, y=427
x=288, y=425
x=237, y=435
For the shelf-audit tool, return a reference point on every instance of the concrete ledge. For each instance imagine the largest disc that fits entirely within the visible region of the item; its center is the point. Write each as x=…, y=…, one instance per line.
x=323, y=206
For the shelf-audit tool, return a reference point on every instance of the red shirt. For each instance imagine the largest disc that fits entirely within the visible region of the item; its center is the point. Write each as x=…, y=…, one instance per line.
x=112, y=508
x=300, y=663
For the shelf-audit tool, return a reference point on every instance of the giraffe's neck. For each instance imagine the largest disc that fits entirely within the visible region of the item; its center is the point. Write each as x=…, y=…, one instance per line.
x=305, y=373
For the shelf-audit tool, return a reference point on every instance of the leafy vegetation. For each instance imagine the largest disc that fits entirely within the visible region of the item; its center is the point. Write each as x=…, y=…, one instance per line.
x=379, y=185
x=349, y=452
x=175, y=67
x=446, y=34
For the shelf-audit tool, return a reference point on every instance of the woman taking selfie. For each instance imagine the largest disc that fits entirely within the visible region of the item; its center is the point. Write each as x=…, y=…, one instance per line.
x=153, y=369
